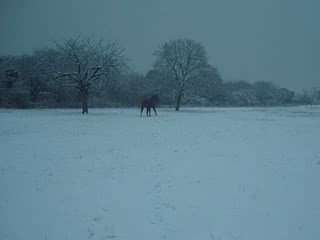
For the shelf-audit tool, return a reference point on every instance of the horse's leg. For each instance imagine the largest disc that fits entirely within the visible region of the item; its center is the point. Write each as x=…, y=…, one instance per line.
x=154, y=109
x=142, y=107
x=148, y=112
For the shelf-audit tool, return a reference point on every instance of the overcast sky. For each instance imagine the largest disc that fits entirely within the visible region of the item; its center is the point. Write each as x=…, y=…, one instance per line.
x=273, y=40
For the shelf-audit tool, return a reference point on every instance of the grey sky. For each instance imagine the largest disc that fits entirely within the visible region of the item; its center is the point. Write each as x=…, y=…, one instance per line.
x=275, y=40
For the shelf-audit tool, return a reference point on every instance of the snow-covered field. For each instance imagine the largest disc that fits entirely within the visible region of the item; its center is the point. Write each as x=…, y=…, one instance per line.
x=222, y=174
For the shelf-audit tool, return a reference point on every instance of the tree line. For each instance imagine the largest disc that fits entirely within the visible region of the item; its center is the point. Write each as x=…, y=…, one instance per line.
x=82, y=72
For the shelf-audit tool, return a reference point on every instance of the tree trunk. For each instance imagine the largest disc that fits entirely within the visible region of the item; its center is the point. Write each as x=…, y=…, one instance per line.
x=84, y=103
x=178, y=101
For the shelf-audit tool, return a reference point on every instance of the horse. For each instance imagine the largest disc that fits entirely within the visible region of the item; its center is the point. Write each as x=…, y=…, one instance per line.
x=149, y=103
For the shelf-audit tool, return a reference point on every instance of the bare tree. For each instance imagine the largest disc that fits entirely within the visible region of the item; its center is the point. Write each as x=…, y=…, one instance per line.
x=209, y=83
x=181, y=62
x=310, y=96
x=84, y=64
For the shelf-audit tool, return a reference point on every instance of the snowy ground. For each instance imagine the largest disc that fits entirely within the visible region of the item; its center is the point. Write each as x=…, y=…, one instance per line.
x=222, y=174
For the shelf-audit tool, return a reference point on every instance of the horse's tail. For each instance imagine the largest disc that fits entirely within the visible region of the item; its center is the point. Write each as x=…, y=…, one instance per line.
x=142, y=107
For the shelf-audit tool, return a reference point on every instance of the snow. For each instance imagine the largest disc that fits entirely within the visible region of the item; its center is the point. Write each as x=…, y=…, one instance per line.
x=222, y=174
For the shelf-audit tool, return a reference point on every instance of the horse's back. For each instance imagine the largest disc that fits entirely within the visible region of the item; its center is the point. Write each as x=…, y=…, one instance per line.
x=149, y=103
x=144, y=103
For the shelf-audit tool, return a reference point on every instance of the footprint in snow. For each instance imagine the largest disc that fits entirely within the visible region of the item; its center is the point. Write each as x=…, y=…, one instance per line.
x=97, y=219
x=91, y=233
x=110, y=236
x=169, y=206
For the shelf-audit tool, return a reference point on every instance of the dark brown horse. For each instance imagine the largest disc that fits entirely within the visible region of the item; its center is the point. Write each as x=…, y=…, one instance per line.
x=149, y=103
